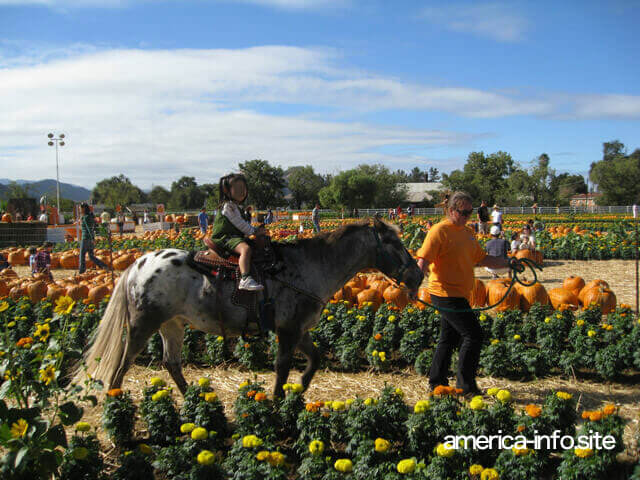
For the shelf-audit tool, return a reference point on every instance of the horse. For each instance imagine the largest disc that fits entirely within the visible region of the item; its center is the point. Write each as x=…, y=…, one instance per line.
x=160, y=292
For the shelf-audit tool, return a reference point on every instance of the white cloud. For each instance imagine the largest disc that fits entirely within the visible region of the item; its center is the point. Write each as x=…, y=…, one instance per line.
x=158, y=114
x=499, y=21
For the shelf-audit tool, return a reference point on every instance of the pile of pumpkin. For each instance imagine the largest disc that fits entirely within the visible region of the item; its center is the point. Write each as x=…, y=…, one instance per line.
x=70, y=259
x=574, y=294
x=93, y=285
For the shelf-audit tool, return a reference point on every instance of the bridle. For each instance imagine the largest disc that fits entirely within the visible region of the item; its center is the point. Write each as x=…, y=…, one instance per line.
x=383, y=256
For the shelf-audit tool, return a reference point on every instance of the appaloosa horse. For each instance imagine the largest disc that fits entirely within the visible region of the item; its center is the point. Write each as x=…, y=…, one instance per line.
x=161, y=292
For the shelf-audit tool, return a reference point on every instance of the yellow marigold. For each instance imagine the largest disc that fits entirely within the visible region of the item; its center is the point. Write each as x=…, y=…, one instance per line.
x=343, y=465
x=483, y=317
x=583, y=452
x=476, y=469
x=80, y=453
x=157, y=382
x=160, y=394
x=206, y=457
x=504, y=396
x=3, y=306
x=399, y=392
x=489, y=474
x=144, y=448
x=19, y=428
x=275, y=459
x=476, y=403
x=591, y=333
x=517, y=337
x=495, y=341
x=392, y=318
x=210, y=397
x=204, y=382
x=187, y=427
x=580, y=322
x=421, y=406
x=64, y=305
x=199, y=433
x=382, y=356
x=406, y=466
x=493, y=391
x=547, y=320
x=381, y=445
x=82, y=427
x=325, y=311
x=518, y=452
x=331, y=317
x=251, y=441
x=316, y=447
x=243, y=385
x=262, y=455
x=337, y=405
x=443, y=451
x=564, y=396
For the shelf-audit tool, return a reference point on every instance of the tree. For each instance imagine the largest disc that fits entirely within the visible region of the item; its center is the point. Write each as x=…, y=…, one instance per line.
x=366, y=186
x=417, y=175
x=159, y=194
x=612, y=150
x=434, y=174
x=211, y=194
x=265, y=183
x=617, y=177
x=304, y=185
x=186, y=195
x=116, y=191
x=15, y=190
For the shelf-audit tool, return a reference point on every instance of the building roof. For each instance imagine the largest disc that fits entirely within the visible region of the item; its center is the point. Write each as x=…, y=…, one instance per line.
x=418, y=191
x=580, y=196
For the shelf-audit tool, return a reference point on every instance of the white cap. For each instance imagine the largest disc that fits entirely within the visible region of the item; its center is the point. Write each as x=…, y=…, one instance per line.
x=495, y=230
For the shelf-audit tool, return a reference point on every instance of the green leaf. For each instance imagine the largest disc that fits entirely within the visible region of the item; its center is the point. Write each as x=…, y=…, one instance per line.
x=5, y=433
x=20, y=456
x=70, y=413
x=92, y=399
x=49, y=460
x=5, y=388
x=4, y=411
x=57, y=435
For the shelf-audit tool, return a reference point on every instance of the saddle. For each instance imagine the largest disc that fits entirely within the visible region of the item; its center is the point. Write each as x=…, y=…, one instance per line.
x=221, y=265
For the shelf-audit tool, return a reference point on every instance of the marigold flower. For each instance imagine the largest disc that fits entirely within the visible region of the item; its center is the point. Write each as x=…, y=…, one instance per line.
x=144, y=448
x=493, y=391
x=476, y=403
x=381, y=445
x=591, y=333
x=251, y=441
x=316, y=447
x=504, y=396
x=392, y=318
x=24, y=342
x=517, y=337
x=157, y=382
x=595, y=416
x=4, y=306
x=206, y=457
x=251, y=393
x=421, y=406
x=580, y=322
x=243, y=385
x=533, y=410
x=343, y=465
x=406, y=466
x=583, y=452
x=521, y=428
x=337, y=405
x=476, y=469
x=564, y=396
x=80, y=453
x=311, y=407
x=262, y=455
x=377, y=337
x=114, y=392
x=489, y=474
x=260, y=396
x=187, y=427
x=19, y=428
x=204, y=382
x=518, y=452
x=199, y=433
x=609, y=409
x=210, y=397
x=159, y=395
x=275, y=459
x=82, y=427
x=444, y=451
x=495, y=341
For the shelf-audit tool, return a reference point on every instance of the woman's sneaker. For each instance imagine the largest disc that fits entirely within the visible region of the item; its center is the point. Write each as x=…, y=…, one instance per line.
x=248, y=283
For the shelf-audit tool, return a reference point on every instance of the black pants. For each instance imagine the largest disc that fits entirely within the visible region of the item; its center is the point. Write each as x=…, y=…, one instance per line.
x=456, y=329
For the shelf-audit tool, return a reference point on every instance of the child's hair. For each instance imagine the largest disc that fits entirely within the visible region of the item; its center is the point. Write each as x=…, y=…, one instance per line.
x=32, y=250
x=514, y=236
x=225, y=187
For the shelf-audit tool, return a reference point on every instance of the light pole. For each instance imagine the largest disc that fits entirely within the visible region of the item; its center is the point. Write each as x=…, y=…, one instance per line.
x=57, y=140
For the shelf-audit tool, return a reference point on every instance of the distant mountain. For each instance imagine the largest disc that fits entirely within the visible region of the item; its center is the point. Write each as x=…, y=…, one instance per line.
x=48, y=187
x=7, y=181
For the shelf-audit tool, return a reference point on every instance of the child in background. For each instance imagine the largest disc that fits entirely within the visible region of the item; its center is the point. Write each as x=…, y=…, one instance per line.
x=43, y=259
x=515, y=242
x=32, y=259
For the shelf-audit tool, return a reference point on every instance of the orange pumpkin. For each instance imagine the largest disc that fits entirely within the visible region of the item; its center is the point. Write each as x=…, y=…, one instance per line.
x=496, y=290
x=7, y=218
x=78, y=292
x=54, y=292
x=536, y=293
x=16, y=259
x=592, y=284
x=55, y=261
x=478, y=294
x=343, y=294
x=17, y=292
x=601, y=296
x=4, y=289
x=423, y=294
x=530, y=254
x=561, y=296
x=69, y=261
x=123, y=262
x=37, y=291
x=573, y=284
x=397, y=296
x=370, y=295
x=96, y=294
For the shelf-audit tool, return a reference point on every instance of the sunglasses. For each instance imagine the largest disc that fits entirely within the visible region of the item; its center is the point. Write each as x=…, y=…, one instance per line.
x=465, y=213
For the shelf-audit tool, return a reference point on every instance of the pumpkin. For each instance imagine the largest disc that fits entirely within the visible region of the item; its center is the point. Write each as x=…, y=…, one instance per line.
x=4, y=289
x=561, y=296
x=16, y=259
x=7, y=218
x=69, y=261
x=496, y=290
x=54, y=292
x=370, y=295
x=573, y=284
x=37, y=291
x=601, y=296
x=380, y=285
x=123, y=262
x=96, y=294
x=9, y=273
x=397, y=296
x=478, y=294
x=530, y=254
x=423, y=294
x=343, y=294
x=77, y=292
x=55, y=261
x=535, y=293
x=592, y=284
x=17, y=292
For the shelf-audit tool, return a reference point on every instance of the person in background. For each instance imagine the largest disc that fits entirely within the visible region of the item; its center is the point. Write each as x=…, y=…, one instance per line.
x=496, y=217
x=105, y=217
x=515, y=242
x=634, y=210
x=145, y=217
x=120, y=220
x=30, y=218
x=32, y=259
x=88, y=230
x=450, y=251
x=483, y=218
x=497, y=247
x=526, y=231
x=43, y=260
x=315, y=218
x=534, y=207
x=526, y=243
x=410, y=210
x=392, y=214
x=356, y=214
x=43, y=217
x=268, y=220
x=398, y=211
x=18, y=216
x=203, y=220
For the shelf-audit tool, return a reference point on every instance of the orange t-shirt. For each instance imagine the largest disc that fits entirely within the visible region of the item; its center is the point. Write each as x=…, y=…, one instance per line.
x=452, y=253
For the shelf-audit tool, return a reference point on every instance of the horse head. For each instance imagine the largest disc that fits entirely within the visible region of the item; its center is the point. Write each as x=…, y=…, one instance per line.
x=393, y=259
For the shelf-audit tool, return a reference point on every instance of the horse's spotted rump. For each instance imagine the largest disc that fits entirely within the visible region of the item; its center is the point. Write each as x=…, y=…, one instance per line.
x=142, y=262
x=176, y=262
x=169, y=255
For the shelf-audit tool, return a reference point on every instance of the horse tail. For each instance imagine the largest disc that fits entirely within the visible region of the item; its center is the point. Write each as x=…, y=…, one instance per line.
x=107, y=347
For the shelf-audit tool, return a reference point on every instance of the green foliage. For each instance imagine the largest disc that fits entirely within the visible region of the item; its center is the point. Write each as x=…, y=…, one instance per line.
x=265, y=183
x=117, y=190
x=118, y=418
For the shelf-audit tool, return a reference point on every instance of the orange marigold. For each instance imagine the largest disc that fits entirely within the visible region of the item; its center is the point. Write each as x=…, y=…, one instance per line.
x=595, y=416
x=260, y=396
x=585, y=414
x=114, y=392
x=311, y=407
x=246, y=345
x=521, y=428
x=377, y=337
x=533, y=410
x=24, y=342
x=251, y=393
x=609, y=409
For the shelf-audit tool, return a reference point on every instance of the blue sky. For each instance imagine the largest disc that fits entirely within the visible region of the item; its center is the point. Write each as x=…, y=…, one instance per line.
x=158, y=89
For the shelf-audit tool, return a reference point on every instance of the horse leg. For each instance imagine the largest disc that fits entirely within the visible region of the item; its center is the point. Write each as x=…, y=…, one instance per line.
x=138, y=333
x=172, y=333
x=286, y=344
x=312, y=354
